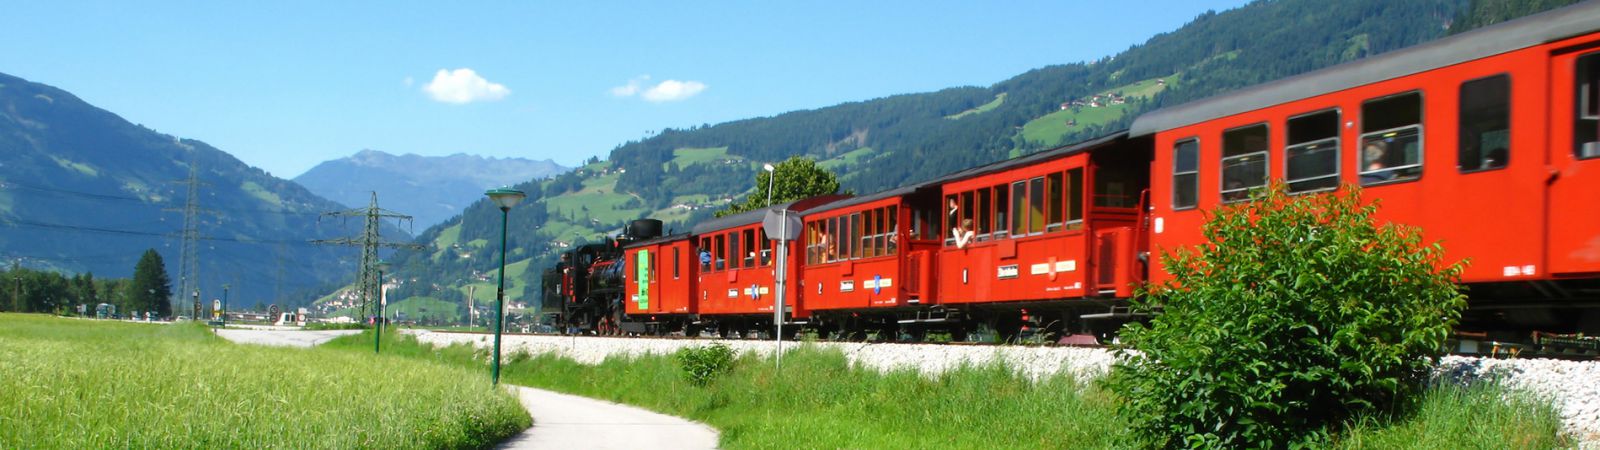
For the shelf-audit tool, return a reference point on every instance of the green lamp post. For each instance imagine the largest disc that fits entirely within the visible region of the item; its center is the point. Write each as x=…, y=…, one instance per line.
x=377, y=338
x=505, y=198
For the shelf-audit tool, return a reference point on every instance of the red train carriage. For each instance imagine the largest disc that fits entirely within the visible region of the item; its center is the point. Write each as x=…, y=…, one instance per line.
x=1489, y=141
x=1039, y=240
x=661, y=276
x=736, y=269
x=868, y=261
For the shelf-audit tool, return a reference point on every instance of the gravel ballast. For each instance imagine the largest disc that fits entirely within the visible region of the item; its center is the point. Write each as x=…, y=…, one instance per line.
x=1572, y=386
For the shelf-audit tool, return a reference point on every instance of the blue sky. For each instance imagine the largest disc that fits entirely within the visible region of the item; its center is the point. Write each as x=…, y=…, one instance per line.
x=284, y=85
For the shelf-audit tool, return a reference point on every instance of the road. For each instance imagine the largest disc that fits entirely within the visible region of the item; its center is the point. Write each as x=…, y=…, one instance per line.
x=281, y=336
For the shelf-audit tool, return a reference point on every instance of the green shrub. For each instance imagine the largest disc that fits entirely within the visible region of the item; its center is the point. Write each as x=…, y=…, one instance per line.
x=1297, y=314
x=702, y=364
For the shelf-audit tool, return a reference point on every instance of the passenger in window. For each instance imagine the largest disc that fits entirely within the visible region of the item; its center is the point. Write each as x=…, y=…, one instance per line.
x=963, y=233
x=1235, y=191
x=1374, y=154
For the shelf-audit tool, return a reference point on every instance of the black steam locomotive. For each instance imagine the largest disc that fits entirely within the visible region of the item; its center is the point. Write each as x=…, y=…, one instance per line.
x=586, y=286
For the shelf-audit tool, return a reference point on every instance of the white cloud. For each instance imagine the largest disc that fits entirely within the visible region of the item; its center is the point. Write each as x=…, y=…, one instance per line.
x=673, y=90
x=628, y=90
x=665, y=91
x=463, y=86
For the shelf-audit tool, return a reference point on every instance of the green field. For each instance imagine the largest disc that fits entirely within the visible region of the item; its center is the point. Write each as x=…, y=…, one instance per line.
x=1049, y=129
x=980, y=109
x=819, y=400
x=72, y=383
x=418, y=308
x=684, y=157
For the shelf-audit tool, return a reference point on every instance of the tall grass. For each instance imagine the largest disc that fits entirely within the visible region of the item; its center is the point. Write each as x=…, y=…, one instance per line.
x=68, y=383
x=819, y=400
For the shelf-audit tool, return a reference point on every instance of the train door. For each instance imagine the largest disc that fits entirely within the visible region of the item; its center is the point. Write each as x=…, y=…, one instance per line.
x=1573, y=217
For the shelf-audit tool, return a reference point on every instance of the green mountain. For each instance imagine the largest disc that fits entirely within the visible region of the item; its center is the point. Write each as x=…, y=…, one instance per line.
x=681, y=175
x=83, y=190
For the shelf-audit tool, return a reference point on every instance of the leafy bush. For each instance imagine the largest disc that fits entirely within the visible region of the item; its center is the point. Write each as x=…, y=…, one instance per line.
x=1297, y=314
x=702, y=364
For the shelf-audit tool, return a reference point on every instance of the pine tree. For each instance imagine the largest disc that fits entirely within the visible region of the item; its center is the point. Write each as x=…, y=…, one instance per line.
x=151, y=288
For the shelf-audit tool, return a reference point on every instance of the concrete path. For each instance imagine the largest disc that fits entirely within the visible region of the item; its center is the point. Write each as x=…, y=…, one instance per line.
x=562, y=421
x=282, y=337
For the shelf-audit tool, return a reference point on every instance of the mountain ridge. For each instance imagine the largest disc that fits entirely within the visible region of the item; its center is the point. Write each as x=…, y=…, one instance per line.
x=429, y=188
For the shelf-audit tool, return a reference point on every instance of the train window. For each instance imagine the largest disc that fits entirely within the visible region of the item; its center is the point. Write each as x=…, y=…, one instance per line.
x=1036, y=205
x=1001, y=199
x=1244, y=161
x=749, y=248
x=1586, y=129
x=705, y=254
x=814, y=252
x=766, y=248
x=830, y=238
x=1485, y=128
x=734, y=255
x=1311, y=161
x=952, y=218
x=877, y=233
x=866, y=234
x=1019, y=214
x=855, y=235
x=1185, y=173
x=677, y=255
x=891, y=217
x=1074, y=194
x=1053, y=203
x=985, y=214
x=968, y=204
x=719, y=252
x=1391, y=138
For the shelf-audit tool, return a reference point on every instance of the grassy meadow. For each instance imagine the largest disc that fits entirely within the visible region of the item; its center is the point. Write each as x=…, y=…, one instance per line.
x=71, y=383
x=819, y=400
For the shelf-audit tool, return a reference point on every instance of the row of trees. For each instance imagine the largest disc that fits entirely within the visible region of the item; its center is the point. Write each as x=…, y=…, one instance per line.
x=35, y=291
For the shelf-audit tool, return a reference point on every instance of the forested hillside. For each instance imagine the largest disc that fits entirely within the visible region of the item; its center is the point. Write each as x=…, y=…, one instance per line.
x=84, y=191
x=681, y=175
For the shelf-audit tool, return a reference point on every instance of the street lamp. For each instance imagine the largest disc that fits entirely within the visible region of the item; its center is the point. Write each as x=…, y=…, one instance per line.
x=772, y=174
x=377, y=339
x=505, y=198
x=224, y=318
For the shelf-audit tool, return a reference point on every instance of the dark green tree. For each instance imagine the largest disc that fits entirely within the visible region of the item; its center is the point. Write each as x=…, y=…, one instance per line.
x=1297, y=314
x=798, y=178
x=151, y=289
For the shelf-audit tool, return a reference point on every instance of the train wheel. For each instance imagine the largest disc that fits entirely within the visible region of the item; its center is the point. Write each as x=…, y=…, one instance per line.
x=917, y=333
x=723, y=331
x=958, y=333
x=824, y=332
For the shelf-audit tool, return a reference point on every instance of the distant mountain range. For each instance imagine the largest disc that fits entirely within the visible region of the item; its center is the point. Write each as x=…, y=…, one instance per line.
x=83, y=190
x=429, y=188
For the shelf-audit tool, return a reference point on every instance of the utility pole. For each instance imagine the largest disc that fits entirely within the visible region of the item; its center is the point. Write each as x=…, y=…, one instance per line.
x=369, y=242
x=189, y=251
x=470, y=311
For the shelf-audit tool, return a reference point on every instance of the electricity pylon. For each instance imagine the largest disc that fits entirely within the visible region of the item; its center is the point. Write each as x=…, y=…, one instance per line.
x=367, y=284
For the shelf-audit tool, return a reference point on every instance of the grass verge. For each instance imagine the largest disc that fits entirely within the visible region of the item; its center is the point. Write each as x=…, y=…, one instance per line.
x=819, y=400
x=67, y=383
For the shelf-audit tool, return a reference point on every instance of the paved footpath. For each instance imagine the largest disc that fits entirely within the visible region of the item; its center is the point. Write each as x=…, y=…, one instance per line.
x=560, y=421
x=281, y=336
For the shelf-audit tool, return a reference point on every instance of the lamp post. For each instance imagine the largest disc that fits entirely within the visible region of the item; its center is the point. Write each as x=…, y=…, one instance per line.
x=224, y=318
x=505, y=198
x=779, y=278
x=377, y=338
